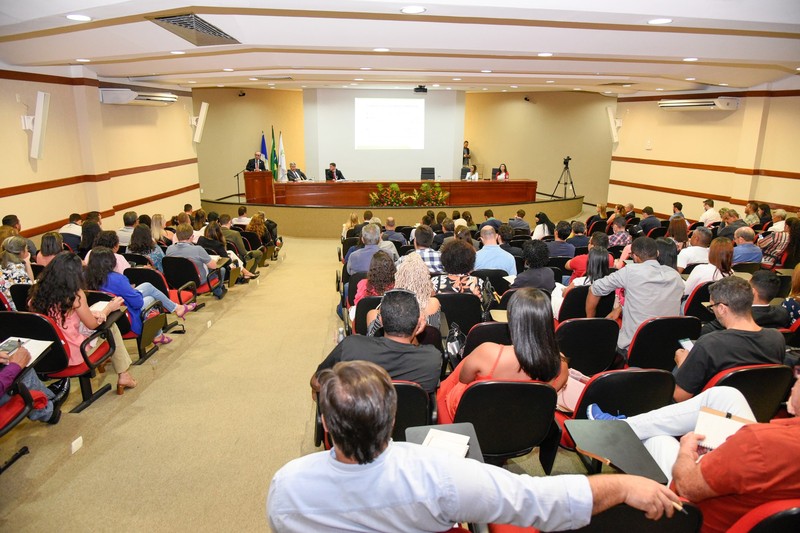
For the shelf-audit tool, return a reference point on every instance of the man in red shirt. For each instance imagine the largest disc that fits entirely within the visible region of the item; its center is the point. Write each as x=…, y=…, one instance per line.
x=577, y=264
x=757, y=464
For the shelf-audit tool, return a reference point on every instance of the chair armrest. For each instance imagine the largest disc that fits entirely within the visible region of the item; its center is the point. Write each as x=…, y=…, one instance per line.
x=102, y=332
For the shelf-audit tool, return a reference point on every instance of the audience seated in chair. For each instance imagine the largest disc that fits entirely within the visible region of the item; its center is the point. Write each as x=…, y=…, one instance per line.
x=109, y=239
x=559, y=247
x=596, y=268
x=52, y=244
x=697, y=251
x=578, y=263
x=458, y=260
x=423, y=238
x=753, y=466
x=15, y=265
x=59, y=295
x=380, y=278
x=491, y=256
x=504, y=236
x=142, y=243
x=742, y=342
x=402, y=320
x=15, y=363
x=537, y=274
x=533, y=356
x=358, y=259
x=197, y=255
x=765, y=284
x=358, y=405
x=746, y=251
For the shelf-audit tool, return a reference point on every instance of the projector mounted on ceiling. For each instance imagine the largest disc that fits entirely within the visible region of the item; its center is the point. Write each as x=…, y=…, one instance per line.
x=420, y=89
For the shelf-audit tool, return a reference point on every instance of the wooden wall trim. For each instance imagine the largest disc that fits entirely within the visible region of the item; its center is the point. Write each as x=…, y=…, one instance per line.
x=738, y=94
x=89, y=178
x=55, y=225
x=697, y=194
x=711, y=168
x=47, y=78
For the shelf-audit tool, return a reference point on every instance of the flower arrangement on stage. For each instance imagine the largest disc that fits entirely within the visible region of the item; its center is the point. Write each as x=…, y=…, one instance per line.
x=390, y=196
x=429, y=195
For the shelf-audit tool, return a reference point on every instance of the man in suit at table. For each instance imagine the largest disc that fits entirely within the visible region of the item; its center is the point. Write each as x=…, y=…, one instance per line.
x=256, y=163
x=333, y=174
x=295, y=174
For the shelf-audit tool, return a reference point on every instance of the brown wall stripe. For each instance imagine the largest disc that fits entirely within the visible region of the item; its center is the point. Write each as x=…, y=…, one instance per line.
x=89, y=82
x=90, y=178
x=712, y=168
x=739, y=94
x=53, y=226
x=697, y=194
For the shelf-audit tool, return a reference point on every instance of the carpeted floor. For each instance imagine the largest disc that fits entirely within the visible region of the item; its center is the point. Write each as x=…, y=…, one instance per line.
x=216, y=413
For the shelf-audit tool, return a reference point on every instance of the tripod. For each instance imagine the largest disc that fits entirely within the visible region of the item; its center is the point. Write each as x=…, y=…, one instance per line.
x=566, y=180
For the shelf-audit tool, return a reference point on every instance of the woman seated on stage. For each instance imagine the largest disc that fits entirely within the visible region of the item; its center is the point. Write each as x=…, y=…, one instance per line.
x=100, y=276
x=472, y=174
x=159, y=231
x=533, y=356
x=351, y=223
x=502, y=173
x=52, y=244
x=59, y=295
x=142, y=243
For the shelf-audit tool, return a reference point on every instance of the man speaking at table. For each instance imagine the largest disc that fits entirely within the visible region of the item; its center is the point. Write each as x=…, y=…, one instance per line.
x=370, y=483
x=256, y=163
x=333, y=174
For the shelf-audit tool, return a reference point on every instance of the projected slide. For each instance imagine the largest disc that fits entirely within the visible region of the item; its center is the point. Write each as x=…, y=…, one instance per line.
x=390, y=124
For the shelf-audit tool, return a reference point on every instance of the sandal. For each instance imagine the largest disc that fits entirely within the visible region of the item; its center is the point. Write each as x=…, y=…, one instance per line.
x=187, y=308
x=162, y=339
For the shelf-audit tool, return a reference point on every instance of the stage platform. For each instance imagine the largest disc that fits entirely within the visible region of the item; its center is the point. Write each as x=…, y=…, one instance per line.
x=326, y=222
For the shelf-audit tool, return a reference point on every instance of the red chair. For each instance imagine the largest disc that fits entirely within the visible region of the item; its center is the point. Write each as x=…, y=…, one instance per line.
x=694, y=304
x=15, y=410
x=763, y=386
x=183, y=295
x=655, y=341
x=180, y=272
x=780, y=516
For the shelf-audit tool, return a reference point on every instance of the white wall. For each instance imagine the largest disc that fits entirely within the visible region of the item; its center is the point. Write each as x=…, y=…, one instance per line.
x=330, y=136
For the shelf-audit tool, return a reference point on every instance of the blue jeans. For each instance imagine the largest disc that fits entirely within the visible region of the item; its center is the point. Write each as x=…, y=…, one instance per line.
x=152, y=294
x=32, y=382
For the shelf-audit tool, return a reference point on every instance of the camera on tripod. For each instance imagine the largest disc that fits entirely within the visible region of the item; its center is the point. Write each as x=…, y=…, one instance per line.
x=565, y=180
x=567, y=160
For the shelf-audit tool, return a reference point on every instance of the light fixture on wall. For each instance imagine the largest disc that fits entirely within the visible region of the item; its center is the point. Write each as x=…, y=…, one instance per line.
x=37, y=124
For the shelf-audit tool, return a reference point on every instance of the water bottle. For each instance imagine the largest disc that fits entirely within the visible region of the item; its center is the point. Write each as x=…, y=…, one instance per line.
x=340, y=336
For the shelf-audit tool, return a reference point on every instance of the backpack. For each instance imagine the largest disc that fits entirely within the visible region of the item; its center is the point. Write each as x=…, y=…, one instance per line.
x=454, y=345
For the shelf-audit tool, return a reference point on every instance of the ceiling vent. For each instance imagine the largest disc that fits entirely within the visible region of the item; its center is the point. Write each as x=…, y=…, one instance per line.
x=129, y=97
x=195, y=30
x=723, y=103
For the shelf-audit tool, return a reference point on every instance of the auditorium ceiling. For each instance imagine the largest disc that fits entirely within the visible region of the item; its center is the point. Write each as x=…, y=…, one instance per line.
x=610, y=47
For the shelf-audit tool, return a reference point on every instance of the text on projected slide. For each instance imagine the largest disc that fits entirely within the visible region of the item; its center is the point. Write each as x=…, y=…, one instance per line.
x=389, y=124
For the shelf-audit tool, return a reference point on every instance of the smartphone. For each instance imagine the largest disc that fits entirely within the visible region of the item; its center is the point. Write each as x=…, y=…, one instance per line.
x=686, y=344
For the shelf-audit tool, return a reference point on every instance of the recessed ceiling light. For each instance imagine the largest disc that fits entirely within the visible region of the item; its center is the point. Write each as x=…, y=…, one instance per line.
x=413, y=10
x=723, y=84
x=79, y=18
x=627, y=85
x=191, y=82
x=606, y=92
x=227, y=70
x=514, y=86
x=366, y=68
x=270, y=84
x=303, y=86
x=220, y=86
x=82, y=60
x=486, y=71
x=550, y=81
x=253, y=79
x=380, y=49
x=690, y=79
x=272, y=87
x=358, y=79
x=353, y=84
x=689, y=59
x=656, y=22
x=449, y=88
x=659, y=89
x=545, y=54
x=177, y=52
x=456, y=79
x=484, y=89
x=798, y=68
x=576, y=89
x=435, y=85
x=505, y=90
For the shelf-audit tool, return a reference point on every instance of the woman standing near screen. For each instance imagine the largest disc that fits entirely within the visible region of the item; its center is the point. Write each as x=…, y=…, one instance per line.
x=472, y=175
x=502, y=173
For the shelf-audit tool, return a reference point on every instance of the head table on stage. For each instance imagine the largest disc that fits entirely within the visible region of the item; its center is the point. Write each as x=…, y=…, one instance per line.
x=356, y=193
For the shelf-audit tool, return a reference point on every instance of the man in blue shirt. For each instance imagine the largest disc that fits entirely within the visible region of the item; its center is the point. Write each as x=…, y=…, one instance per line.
x=359, y=259
x=559, y=247
x=746, y=251
x=492, y=256
x=490, y=220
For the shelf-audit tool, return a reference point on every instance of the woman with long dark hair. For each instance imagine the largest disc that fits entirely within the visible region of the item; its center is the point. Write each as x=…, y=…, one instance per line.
x=59, y=295
x=100, y=276
x=776, y=243
x=142, y=243
x=720, y=265
x=596, y=268
x=667, y=252
x=214, y=240
x=89, y=232
x=677, y=231
x=533, y=356
x=544, y=227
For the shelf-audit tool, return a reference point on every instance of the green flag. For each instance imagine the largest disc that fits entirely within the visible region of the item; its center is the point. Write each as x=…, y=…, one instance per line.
x=273, y=157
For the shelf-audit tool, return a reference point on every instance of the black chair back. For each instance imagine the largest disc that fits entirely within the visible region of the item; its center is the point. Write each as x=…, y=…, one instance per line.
x=349, y=243
x=505, y=298
x=616, y=251
x=178, y=271
x=73, y=241
x=558, y=261
x=764, y=386
x=355, y=278
x=750, y=268
x=137, y=259
x=413, y=408
x=590, y=344
x=581, y=250
x=574, y=304
x=510, y=418
x=364, y=306
x=36, y=326
x=654, y=343
x=463, y=309
x=486, y=332
x=786, y=520
x=694, y=305
x=631, y=392
x=19, y=295
x=625, y=518
x=37, y=269
x=655, y=233
x=252, y=239
x=786, y=286
x=495, y=277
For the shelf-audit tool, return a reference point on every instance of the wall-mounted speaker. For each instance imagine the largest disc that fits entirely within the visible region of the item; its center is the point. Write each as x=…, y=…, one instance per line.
x=200, y=122
x=613, y=124
x=37, y=123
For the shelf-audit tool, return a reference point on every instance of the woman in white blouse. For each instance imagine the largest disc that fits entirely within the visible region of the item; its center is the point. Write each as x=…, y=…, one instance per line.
x=472, y=175
x=502, y=173
x=720, y=258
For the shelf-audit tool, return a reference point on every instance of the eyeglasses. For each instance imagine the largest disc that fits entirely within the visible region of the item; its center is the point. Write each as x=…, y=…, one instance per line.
x=710, y=306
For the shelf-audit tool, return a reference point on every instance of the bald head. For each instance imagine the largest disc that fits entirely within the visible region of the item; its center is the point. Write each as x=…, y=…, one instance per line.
x=488, y=235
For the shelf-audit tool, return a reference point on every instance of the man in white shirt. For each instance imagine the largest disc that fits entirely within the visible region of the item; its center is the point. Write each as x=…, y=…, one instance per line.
x=370, y=483
x=710, y=215
x=778, y=220
x=242, y=219
x=697, y=252
x=73, y=227
x=124, y=233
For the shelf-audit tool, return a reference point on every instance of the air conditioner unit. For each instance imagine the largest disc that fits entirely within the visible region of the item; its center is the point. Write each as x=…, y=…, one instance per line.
x=130, y=97
x=723, y=103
